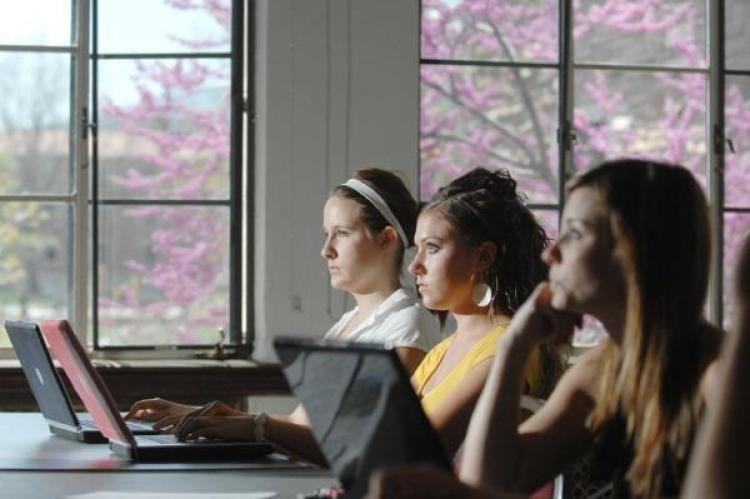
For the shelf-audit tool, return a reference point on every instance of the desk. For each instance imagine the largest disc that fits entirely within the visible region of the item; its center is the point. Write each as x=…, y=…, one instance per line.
x=36, y=464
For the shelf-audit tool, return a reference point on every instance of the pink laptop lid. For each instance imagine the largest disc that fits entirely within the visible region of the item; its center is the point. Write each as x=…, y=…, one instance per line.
x=87, y=382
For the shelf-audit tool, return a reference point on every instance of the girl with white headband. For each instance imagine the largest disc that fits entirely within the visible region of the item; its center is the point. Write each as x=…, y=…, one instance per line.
x=368, y=223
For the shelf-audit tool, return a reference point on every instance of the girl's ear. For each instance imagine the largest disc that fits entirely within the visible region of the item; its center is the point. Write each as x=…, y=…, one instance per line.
x=388, y=236
x=487, y=255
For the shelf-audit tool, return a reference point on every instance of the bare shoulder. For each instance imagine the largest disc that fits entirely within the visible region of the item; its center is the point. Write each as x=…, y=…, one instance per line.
x=575, y=393
x=561, y=422
x=710, y=379
x=710, y=382
x=582, y=376
x=410, y=358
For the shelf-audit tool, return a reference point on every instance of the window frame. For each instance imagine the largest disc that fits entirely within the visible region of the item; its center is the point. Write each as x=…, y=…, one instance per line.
x=84, y=201
x=716, y=139
x=78, y=161
x=233, y=202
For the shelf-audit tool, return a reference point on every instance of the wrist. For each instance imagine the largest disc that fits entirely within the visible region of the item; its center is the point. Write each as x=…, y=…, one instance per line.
x=259, y=426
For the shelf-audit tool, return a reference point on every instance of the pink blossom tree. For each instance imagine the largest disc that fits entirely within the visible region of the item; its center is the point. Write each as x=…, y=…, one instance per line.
x=181, y=152
x=507, y=117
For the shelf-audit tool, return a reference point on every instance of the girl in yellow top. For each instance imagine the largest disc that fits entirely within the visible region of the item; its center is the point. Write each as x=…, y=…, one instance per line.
x=483, y=351
x=478, y=257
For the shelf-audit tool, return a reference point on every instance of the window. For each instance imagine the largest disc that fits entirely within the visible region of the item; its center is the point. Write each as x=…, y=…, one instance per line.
x=547, y=88
x=121, y=161
x=42, y=71
x=736, y=212
x=162, y=185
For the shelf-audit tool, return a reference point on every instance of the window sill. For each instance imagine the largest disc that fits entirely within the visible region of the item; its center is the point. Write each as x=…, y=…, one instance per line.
x=189, y=381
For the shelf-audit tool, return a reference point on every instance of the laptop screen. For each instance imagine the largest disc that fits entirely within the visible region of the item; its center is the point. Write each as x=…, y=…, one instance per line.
x=86, y=381
x=41, y=374
x=362, y=408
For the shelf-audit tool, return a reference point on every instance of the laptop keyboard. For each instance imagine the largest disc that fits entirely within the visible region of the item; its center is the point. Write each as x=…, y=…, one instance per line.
x=162, y=439
x=91, y=424
x=136, y=426
x=86, y=423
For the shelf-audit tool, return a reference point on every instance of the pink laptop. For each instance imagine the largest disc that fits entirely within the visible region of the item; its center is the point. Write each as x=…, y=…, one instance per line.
x=101, y=406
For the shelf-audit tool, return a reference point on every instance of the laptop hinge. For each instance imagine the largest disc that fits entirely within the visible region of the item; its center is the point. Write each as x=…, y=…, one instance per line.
x=62, y=426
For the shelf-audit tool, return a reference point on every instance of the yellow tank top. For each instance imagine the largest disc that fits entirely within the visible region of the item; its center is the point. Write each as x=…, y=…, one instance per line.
x=483, y=350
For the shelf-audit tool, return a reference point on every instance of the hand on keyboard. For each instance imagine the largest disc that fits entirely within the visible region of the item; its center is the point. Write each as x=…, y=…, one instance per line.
x=216, y=420
x=164, y=413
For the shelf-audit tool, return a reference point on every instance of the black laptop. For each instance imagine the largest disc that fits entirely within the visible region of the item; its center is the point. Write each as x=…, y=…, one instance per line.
x=362, y=408
x=49, y=391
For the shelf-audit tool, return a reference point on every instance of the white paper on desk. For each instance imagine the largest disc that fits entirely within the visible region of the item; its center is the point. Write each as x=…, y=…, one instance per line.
x=103, y=494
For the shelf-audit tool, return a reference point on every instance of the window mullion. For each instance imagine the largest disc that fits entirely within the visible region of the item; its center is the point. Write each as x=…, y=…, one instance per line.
x=247, y=311
x=716, y=126
x=235, y=166
x=38, y=49
x=565, y=127
x=80, y=211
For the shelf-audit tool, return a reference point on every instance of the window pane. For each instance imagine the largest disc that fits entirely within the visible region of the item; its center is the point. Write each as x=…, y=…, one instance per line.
x=35, y=123
x=36, y=22
x=737, y=29
x=163, y=274
x=736, y=229
x=548, y=220
x=656, y=115
x=164, y=129
x=34, y=262
x=737, y=117
x=491, y=117
x=164, y=26
x=641, y=32
x=590, y=334
x=503, y=30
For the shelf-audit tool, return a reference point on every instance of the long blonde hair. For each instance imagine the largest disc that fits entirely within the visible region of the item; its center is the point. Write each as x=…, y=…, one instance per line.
x=660, y=228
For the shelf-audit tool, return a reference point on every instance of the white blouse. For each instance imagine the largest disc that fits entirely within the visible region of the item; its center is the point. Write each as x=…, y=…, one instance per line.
x=400, y=321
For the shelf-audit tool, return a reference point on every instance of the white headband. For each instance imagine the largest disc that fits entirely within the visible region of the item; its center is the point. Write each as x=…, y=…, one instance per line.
x=377, y=201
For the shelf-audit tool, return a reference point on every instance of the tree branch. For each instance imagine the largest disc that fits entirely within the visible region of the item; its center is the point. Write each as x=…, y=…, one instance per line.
x=529, y=103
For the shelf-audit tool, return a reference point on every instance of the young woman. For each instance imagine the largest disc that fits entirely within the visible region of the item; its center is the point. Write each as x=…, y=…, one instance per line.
x=478, y=258
x=718, y=467
x=633, y=251
x=368, y=222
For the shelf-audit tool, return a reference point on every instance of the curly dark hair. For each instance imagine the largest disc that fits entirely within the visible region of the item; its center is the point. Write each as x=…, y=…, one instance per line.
x=483, y=205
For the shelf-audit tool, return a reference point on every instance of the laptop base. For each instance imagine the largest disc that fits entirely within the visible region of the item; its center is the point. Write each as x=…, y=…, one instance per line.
x=146, y=452
x=79, y=435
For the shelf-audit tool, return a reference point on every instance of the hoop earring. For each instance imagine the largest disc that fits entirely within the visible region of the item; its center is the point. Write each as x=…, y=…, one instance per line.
x=481, y=294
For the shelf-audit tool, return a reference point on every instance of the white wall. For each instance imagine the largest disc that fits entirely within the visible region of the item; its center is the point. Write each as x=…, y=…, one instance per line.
x=337, y=89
